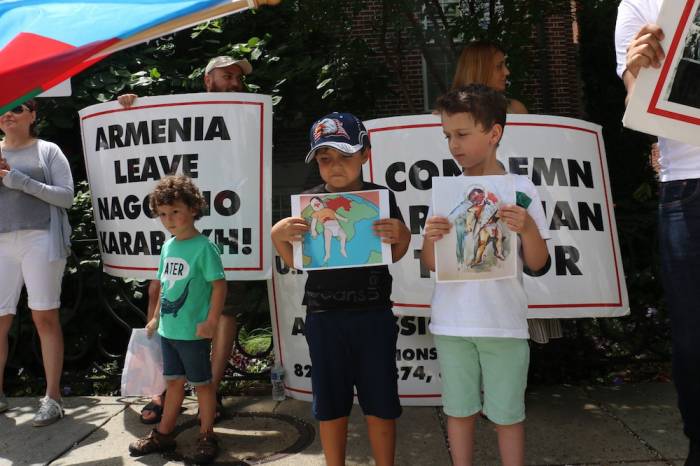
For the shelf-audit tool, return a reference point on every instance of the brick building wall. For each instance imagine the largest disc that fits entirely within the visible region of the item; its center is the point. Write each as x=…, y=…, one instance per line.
x=551, y=88
x=407, y=62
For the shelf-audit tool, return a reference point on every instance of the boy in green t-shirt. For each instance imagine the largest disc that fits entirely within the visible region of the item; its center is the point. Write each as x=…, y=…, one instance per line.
x=193, y=288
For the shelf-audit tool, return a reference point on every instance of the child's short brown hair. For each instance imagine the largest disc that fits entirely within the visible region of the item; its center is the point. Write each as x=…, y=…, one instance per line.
x=486, y=106
x=173, y=188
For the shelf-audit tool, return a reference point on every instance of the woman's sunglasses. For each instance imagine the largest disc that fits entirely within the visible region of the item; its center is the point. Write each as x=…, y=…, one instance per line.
x=18, y=110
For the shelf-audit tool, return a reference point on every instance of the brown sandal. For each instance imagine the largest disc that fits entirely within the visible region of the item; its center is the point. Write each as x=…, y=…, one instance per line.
x=152, y=443
x=206, y=449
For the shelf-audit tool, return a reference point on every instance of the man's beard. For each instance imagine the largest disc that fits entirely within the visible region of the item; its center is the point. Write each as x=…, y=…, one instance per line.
x=216, y=88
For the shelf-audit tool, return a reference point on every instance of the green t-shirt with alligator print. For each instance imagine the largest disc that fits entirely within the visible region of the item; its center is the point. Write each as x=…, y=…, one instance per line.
x=186, y=270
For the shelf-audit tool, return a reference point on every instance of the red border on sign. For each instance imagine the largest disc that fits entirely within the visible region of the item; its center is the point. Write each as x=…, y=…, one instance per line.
x=260, y=267
x=663, y=76
x=607, y=208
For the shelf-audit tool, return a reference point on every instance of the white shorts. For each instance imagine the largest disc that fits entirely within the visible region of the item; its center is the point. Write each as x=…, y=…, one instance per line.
x=24, y=260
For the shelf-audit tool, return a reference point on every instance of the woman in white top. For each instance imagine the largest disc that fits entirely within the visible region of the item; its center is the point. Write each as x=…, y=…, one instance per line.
x=36, y=188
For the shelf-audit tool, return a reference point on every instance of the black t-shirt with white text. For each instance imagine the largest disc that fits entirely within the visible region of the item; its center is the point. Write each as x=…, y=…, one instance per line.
x=354, y=288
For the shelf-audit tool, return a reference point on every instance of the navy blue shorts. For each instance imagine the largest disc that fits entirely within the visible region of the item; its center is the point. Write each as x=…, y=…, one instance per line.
x=187, y=359
x=353, y=349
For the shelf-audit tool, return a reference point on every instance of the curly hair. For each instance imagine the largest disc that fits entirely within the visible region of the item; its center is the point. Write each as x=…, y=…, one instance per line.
x=173, y=188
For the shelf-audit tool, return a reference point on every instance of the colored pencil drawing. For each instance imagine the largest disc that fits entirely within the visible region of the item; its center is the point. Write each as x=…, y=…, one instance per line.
x=479, y=246
x=340, y=233
x=477, y=226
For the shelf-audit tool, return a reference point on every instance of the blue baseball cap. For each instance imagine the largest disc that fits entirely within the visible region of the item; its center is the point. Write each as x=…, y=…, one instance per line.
x=342, y=131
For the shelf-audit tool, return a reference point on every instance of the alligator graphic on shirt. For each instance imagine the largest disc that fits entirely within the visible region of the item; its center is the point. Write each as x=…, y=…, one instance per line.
x=173, y=307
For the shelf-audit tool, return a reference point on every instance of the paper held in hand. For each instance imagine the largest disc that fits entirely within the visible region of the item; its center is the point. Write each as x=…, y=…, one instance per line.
x=666, y=101
x=341, y=230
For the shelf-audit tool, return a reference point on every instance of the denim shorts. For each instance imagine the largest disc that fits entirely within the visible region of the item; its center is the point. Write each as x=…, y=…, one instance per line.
x=188, y=359
x=353, y=350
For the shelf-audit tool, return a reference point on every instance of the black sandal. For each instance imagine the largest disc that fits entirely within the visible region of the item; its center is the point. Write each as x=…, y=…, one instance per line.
x=154, y=408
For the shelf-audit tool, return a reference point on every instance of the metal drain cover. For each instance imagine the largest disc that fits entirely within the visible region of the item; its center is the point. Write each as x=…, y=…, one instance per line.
x=249, y=438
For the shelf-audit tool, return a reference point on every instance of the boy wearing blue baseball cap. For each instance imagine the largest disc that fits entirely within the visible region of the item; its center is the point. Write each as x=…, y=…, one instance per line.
x=350, y=328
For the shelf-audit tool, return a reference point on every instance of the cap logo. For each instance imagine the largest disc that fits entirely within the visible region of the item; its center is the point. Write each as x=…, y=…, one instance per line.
x=329, y=127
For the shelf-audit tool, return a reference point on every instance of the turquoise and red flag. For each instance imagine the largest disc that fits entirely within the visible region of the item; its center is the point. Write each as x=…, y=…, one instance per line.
x=44, y=42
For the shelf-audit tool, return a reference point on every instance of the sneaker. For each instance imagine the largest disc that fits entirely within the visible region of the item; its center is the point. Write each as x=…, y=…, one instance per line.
x=49, y=412
x=4, y=405
x=206, y=449
x=152, y=443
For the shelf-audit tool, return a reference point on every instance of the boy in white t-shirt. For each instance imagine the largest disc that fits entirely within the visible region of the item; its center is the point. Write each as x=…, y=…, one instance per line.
x=480, y=327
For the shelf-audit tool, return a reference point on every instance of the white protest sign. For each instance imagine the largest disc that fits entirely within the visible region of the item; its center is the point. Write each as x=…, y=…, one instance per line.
x=416, y=356
x=223, y=141
x=565, y=159
x=666, y=100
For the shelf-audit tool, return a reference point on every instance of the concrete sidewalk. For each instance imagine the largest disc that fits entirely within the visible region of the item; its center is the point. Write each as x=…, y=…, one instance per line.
x=628, y=425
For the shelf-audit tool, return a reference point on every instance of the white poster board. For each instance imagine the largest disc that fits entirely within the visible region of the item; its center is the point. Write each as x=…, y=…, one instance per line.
x=223, y=141
x=666, y=100
x=565, y=158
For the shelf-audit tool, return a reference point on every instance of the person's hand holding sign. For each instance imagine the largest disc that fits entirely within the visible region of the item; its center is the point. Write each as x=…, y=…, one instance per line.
x=285, y=232
x=645, y=49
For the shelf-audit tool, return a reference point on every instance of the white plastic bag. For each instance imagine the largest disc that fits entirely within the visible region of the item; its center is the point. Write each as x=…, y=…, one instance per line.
x=143, y=365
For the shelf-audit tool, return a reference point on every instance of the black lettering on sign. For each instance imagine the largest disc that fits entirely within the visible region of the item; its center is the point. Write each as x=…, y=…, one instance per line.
x=125, y=244
x=553, y=171
x=421, y=174
x=302, y=371
x=160, y=131
x=417, y=215
x=564, y=216
x=154, y=168
x=392, y=181
x=237, y=240
x=566, y=258
x=424, y=271
x=412, y=325
x=113, y=208
x=299, y=326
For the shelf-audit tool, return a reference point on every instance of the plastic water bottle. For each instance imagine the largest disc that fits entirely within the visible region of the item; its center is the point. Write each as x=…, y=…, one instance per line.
x=277, y=378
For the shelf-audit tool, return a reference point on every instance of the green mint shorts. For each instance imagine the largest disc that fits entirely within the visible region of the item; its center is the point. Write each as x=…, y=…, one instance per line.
x=498, y=364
